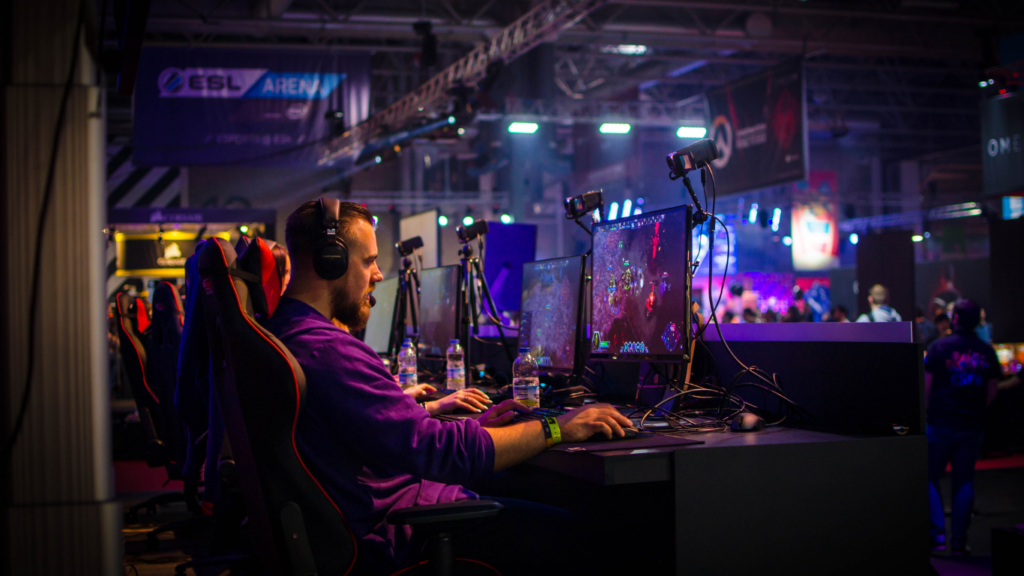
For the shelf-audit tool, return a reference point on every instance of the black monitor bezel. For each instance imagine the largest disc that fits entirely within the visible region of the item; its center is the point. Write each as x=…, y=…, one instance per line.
x=578, y=341
x=684, y=350
x=456, y=318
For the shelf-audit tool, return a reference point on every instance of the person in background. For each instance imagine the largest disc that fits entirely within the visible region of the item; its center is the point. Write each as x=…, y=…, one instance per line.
x=984, y=329
x=942, y=325
x=926, y=332
x=770, y=317
x=961, y=377
x=728, y=317
x=839, y=313
x=878, y=297
x=793, y=315
x=750, y=316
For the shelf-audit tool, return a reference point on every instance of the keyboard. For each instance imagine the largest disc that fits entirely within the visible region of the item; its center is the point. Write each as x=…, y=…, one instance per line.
x=538, y=414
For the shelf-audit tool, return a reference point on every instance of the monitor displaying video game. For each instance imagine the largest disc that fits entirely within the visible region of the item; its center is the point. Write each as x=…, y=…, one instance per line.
x=640, y=298
x=549, y=312
x=382, y=316
x=439, y=299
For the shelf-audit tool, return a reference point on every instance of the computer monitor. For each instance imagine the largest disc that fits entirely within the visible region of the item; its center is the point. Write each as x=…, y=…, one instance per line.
x=439, y=301
x=550, y=312
x=382, y=316
x=641, y=287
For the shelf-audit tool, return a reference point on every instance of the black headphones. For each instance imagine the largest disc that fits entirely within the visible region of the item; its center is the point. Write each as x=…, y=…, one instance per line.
x=330, y=257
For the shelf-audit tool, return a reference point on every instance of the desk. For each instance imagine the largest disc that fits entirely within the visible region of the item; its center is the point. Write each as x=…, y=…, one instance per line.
x=776, y=501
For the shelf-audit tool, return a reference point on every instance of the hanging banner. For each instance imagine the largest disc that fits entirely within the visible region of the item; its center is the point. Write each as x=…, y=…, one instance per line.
x=247, y=107
x=1002, y=144
x=759, y=124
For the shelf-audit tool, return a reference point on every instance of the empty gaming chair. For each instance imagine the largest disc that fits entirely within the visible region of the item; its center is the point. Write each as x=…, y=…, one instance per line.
x=191, y=393
x=147, y=400
x=298, y=529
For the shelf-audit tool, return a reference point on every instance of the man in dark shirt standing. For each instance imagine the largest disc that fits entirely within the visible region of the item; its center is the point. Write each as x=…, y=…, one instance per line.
x=961, y=374
x=373, y=448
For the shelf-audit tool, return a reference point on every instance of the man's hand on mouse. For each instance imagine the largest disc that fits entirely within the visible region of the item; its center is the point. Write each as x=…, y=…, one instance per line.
x=582, y=423
x=501, y=414
x=469, y=399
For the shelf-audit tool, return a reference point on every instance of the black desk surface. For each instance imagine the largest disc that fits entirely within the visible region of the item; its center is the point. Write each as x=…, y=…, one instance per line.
x=638, y=462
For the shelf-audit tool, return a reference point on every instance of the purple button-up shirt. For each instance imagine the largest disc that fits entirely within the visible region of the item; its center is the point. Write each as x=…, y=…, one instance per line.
x=371, y=446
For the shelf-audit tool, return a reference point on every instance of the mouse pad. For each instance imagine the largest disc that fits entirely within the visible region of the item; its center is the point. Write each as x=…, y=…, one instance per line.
x=641, y=441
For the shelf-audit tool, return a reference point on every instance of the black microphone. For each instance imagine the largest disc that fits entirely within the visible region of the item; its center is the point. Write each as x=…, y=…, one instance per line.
x=373, y=301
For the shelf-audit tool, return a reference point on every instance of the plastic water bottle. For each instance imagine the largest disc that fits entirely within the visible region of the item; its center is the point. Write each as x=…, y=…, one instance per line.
x=456, y=367
x=407, y=365
x=526, y=380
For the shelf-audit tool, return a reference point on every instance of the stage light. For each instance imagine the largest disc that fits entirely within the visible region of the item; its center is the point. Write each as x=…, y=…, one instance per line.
x=627, y=208
x=375, y=221
x=640, y=201
x=467, y=221
x=244, y=229
x=776, y=218
x=377, y=159
x=753, y=213
x=507, y=219
x=788, y=241
x=461, y=131
x=614, y=128
x=991, y=81
x=442, y=220
x=854, y=238
x=691, y=132
x=917, y=238
x=631, y=49
x=637, y=212
x=451, y=119
x=613, y=211
x=982, y=84
x=927, y=234
x=704, y=240
x=523, y=127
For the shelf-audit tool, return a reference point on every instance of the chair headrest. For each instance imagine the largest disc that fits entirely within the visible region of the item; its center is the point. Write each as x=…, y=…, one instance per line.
x=141, y=314
x=258, y=260
x=166, y=304
x=242, y=244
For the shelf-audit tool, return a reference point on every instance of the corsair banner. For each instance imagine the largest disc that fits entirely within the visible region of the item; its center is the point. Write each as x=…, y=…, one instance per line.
x=245, y=107
x=759, y=124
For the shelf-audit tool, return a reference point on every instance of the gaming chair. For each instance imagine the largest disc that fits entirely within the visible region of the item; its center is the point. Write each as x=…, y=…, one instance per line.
x=298, y=529
x=162, y=341
x=147, y=399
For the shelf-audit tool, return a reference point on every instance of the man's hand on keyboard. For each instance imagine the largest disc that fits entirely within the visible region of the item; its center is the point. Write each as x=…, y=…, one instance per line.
x=419, y=390
x=582, y=423
x=468, y=399
x=501, y=414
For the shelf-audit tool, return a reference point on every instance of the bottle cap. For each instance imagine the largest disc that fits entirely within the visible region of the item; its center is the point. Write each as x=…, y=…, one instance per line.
x=407, y=340
x=454, y=341
x=524, y=350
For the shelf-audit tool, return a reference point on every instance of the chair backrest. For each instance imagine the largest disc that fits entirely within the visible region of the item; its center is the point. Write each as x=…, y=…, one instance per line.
x=133, y=355
x=163, y=343
x=262, y=390
x=265, y=282
x=192, y=394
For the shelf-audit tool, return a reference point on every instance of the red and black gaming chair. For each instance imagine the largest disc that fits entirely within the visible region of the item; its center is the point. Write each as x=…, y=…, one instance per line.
x=298, y=529
x=147, y=401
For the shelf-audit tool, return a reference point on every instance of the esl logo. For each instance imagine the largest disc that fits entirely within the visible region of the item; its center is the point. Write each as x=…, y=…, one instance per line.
x=171, y=81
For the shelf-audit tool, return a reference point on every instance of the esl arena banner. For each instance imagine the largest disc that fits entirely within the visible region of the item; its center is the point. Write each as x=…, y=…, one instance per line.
x=247, y=107
x=759, y=124
x=1002, y=144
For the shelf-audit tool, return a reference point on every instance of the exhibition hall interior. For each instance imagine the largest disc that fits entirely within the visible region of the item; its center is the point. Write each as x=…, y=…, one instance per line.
x=510, y=287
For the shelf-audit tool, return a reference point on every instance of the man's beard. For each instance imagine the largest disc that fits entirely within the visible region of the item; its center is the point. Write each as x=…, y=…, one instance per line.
x=353, y=314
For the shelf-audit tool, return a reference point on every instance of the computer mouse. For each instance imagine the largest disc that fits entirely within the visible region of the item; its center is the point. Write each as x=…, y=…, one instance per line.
x=746, y=422
x=630, y=433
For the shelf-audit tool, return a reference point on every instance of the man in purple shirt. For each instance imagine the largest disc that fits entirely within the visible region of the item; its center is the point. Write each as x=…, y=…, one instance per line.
x=372, y=447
